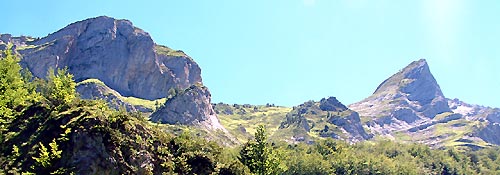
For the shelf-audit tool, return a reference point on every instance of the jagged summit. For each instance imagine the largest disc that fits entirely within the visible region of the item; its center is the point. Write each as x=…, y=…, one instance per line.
x=410, y=96
x=416, y=80
x=91, y=25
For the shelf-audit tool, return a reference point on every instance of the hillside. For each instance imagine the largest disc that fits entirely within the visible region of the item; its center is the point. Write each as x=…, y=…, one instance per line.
x=241, y=120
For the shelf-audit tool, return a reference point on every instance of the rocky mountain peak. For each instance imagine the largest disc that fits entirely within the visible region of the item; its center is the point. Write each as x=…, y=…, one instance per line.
x=415, y=80
x=114, y=51
x=98, y=28
x=411, y=96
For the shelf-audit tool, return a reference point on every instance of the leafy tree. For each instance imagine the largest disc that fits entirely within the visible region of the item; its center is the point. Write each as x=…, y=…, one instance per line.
x=258, y=156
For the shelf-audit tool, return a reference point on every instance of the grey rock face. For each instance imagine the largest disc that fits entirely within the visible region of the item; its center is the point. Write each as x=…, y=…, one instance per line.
x=331, y=104
x=407, y=99
x=490, y=133
x=115, y=52
x=191, y=107
x=423, y=87
x=405, y=114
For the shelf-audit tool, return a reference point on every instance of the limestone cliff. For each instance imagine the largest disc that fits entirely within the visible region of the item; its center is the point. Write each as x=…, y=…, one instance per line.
x=113, y=51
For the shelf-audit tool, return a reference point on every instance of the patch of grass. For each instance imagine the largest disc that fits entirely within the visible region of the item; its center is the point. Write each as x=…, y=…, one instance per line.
x=24, y=47
x=442, y=115
x=454, y=133
x=247, y=118
x=150, y=104
x=164, y=50
x=90, y=81
x=402, y=136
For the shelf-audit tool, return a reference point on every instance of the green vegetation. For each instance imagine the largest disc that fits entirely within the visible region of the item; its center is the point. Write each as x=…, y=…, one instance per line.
x=259, y=157
x=308, y=122
x=164, y=50
x=55, y=132
x=240, y=120
x=59, y=89
x=24, y=47
x=149, y=104
x=91, y=81
x=15, y=93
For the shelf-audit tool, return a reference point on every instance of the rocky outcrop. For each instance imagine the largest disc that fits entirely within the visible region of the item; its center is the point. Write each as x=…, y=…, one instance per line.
x=113, y=51
x=326, y=118
x=331, y=104
x=190, y=107
x=491, y=131
x=407, y=99
x=95, y=89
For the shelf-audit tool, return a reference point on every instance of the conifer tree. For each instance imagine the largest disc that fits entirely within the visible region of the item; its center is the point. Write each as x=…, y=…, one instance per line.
x=13, y=91
x=258, y=156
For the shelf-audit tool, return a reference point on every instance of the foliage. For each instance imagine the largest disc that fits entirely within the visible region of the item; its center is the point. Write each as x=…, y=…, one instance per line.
x=59, y=89
x=258, y=156
x=15, y=92
x=55, y=136
x=45, y=158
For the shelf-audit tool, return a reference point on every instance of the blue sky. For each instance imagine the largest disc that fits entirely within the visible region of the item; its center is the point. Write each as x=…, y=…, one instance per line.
x=290, y=51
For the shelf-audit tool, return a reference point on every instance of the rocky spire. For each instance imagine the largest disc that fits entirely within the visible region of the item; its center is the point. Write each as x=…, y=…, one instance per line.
x=415, y=80
x=410, y=95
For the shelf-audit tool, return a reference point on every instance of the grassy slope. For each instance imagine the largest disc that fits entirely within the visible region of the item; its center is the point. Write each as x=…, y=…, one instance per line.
x=164, y=50
x=244, y=116
x=454, y=133
x=150, y=104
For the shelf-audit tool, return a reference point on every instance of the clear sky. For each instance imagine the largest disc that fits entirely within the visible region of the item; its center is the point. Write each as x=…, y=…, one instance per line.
x=290, y=51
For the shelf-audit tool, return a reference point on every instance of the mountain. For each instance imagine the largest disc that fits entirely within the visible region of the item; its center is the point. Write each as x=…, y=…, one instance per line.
x=111, y=59
x=115, y=52
x=410, y=106
x=408, y=98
